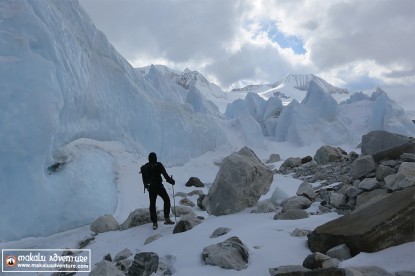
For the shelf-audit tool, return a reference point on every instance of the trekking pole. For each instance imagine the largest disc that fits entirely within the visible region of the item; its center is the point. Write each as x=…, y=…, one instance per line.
x=174, y=203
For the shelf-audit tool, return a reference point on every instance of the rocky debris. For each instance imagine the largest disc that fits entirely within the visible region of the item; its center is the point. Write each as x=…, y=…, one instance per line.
x=106, y=268
x=144, y=264
x=383, y=171
x=84, y=242
x=403, y=179
x=306, y=190
x=292, y=214
x=138, y=217
x=123, y=265
x=408, y=157
x=340, y=252
x=104, y=223
x=230, y=254
x=220, y=232
x=306, y=159
x=367, y=271
x=274, y=157
x=327, y=154
x=124, y=254
x=181, y=210
x=265, y=206
x=291, y=162
x=368, y=184
x=367, y=198
x=385, y=223
x=385, y=145
x=297, y=270
x=242, y=179
x=287, y=270
x=315, y=260
x=194, y=182
x=200, y=202
x=186, y=223
x=107, y=257
x=362, y=166
x=196, y=192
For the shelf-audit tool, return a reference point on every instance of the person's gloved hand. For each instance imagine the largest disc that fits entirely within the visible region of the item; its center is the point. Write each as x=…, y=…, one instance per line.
x=171, y=181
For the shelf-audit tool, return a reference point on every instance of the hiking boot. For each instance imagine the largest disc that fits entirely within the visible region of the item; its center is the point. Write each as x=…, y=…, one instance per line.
x=168, y=221
x=155, y=225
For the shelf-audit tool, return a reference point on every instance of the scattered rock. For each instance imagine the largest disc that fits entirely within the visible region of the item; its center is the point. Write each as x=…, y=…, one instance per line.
x=181, y=210
x=327, y=154
x=194, y=182
x=306, y=190
x=315, y=260
x=107, y=257
x=340, y=252
x=186, y=202
x=220, y=232
x=196, y=192
x=291, y=162
x=385, y=223
x=368, y=184
x=83, y=243
x=404, y=178
x=144, y=264
x=287, y=270
x=123, y=265
x=337, y=199
x=295, y=202
x=367, y=271
x=182, y=226
x=104, y=223
x=242, y=179
x=138, y=217
x=265, y=206
x=306, y=159
x=200, y=202
x=300, y=232
x=408, y=157
x=368, y=198
x=383, y=171
x=362, y=166
x=230, y=254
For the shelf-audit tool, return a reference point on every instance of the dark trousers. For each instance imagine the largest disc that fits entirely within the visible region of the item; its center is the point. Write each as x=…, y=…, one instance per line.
x=154, y=191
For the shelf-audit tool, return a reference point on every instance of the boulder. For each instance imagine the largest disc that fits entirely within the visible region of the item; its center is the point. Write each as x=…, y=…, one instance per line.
x=292, y=214
x=144, y=264
x=287, y=270
x=315, y=260
x=340, y=252
x=408, y=157
x=186, y=223
x=306, y=190
x=152, y=238
x=386, y=145
x=362, y=166
x=230, y=254
x=106, y=268
x=104, y=223
x=368, y=184
x=306, y=159
x=180, y=211
x=367, y=271
x=295, y=202
x=337, y=199
x=138, y=217
x=300, y=232
x=242, y=179
x=186, y=202
x=265, y=206
x=405, y=177
x=367, y=198
x=385, y=223
x=327, y=154
x=383, y=171
x=291, y=162
x=194, y=181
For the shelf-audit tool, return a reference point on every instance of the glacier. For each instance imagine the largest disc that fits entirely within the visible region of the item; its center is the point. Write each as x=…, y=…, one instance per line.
x=69, y=104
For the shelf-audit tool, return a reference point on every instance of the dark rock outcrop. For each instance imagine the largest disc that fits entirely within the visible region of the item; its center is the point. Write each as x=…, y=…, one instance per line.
x=385, y=223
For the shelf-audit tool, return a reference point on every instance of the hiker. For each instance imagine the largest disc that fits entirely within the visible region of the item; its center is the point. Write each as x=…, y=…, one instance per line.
x=151, y=173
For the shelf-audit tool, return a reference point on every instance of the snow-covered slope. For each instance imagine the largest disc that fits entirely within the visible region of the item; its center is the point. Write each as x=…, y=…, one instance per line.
x=61, y=80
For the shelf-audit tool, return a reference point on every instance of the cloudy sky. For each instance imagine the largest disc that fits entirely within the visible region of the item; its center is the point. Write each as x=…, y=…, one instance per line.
x=350, y=43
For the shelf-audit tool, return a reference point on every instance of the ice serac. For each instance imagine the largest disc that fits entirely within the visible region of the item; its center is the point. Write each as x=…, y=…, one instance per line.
x=61, y=80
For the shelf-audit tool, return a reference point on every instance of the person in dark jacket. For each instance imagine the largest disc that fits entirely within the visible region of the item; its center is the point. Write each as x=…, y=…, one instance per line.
x=151, y=173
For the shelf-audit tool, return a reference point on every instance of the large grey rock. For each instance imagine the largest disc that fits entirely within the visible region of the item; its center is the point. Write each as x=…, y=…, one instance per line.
x=368, y=184
x=383, y=171
x=295, y=202
x=367, y=198
x=362, y=166
x=408, y=157
x=138, y=217
x=306, y=190
x=194, y=181
x=291, y=162
x=124, y=254
x=367, y=271
x=186, y=223
x=337, y=199
x=220, y=232
x=315, y=260
x=145, y=263
x=404, y=178
x=104, y=223
x=274, y=157
x=242, y=179
x=340, y=252
x=327, y=154
x=385, y=223
x=385, y=145
x=152, y=238
x=231, y=254
x=106, y=268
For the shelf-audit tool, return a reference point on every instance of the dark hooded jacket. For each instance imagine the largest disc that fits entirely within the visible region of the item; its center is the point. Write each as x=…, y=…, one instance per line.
x=152, y=171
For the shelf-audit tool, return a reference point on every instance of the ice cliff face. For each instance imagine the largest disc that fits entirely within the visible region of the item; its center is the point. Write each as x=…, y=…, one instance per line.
x=60, y=81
